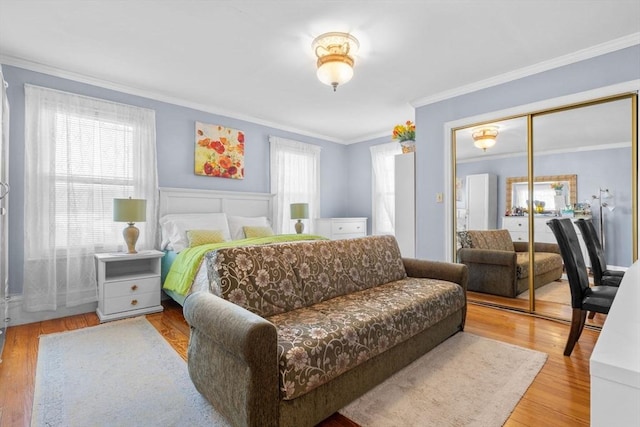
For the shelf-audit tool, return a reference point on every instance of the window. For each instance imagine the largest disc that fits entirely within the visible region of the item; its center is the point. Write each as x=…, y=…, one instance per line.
x=383, y=184
x=80, y=154
x=295, y=178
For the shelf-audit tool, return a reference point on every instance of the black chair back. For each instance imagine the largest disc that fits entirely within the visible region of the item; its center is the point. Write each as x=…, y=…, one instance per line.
x=572, y=256
x=596, y=254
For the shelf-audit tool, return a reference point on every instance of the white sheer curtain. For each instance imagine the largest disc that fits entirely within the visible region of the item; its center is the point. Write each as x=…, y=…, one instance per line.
x=383, y=177
x=295, y=178
x=80, y=154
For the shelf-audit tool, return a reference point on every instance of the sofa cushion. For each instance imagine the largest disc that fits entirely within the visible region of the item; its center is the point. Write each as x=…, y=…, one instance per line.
x=277, y=278
x=544, y=262
x=318, y=343
x=499, y=240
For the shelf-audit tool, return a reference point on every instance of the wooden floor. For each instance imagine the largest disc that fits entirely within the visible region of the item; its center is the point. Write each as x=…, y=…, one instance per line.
x=559, y=396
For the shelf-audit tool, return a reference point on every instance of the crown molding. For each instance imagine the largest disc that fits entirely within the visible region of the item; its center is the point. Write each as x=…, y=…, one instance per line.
x=580, y=55
x=156, y=96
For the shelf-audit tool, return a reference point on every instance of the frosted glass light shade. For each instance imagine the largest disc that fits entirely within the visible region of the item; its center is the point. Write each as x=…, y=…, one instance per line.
x=129, y=210
x=299, y=210
x=335, y=73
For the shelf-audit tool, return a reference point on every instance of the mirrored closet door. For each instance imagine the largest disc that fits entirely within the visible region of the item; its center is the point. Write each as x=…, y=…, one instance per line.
x=513, y=175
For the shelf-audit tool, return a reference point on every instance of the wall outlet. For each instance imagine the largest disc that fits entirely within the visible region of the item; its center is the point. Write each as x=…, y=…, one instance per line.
x=439, y=197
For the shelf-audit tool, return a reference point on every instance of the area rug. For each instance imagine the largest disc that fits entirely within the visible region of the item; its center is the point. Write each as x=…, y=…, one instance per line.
x=557, y=292
x=466, y=381
x=116, y=374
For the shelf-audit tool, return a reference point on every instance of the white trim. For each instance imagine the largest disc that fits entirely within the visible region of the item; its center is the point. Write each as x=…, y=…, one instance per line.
x=156, y=96
x=580, y=55
x=602, y=92
x=18, y=316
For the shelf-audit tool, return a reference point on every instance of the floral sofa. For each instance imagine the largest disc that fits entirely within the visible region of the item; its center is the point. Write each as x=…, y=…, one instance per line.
x=292, y=332
x=500, y=266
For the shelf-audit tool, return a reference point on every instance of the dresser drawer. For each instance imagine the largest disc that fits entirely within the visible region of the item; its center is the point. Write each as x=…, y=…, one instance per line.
x=348, y=228
x=519, y=236
x=131, y=302
x=348, y=236
x=516, y=224
x=131, y=287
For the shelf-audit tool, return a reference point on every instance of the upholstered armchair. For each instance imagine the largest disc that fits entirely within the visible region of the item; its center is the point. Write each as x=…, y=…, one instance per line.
x=499, y=266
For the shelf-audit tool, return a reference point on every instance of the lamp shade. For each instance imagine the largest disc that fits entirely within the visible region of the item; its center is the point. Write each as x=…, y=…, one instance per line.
x=129, y=210
x=299, y=210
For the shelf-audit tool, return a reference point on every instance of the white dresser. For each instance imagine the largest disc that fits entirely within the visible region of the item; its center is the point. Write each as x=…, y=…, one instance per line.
x=518, y=227
x=615, y=360
x=341, y=228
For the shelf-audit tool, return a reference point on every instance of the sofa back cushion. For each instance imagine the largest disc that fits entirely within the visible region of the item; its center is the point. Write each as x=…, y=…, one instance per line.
x=499, y=240
x=277, y=278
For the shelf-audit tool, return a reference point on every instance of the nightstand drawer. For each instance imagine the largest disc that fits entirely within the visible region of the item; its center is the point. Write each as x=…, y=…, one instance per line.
x=348, y=228
x=131, y=287
x=131, y=302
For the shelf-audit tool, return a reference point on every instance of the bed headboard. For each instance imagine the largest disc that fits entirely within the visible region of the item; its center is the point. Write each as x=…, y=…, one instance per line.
x=184, y=200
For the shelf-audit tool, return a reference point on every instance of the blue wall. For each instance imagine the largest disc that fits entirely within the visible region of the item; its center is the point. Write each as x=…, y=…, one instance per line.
x=616, y=67
x=175, y=151
x=593, y=169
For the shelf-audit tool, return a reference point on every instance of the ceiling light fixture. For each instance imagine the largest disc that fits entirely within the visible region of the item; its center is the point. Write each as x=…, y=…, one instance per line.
x=335, y=57
x=485, y=137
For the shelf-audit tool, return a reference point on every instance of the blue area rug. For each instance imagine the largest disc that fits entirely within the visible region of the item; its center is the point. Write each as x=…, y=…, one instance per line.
x=121, y=373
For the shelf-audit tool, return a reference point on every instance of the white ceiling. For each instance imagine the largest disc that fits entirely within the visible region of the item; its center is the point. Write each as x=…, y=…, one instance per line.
x=252, y=59
x=590, y=127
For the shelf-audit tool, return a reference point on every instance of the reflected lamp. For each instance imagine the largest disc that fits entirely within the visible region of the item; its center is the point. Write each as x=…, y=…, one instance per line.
x=299, y=211
x=130, y=211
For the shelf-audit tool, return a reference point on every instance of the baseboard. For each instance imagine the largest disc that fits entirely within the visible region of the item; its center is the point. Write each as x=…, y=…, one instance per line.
x=18, y=316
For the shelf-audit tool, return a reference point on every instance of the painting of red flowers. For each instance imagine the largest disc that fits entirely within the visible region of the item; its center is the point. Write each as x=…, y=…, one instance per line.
x=219, y=151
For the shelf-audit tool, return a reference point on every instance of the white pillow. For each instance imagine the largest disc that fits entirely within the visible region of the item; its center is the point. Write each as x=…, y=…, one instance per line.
x=175, y=226
x=237, y=222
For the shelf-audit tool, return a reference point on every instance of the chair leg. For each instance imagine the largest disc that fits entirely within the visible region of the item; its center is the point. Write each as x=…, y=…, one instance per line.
x=578, y=318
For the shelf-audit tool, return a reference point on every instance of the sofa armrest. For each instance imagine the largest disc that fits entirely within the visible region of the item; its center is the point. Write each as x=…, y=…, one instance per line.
x=233, y=359
x=456, y=273
x=487, y=256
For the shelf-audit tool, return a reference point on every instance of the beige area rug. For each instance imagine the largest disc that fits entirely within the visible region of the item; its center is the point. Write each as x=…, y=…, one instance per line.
x=121, y=373
x=557, y=292
x=466, y=381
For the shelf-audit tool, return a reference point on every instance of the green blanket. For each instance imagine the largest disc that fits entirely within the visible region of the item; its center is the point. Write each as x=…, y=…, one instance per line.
x=185, y=267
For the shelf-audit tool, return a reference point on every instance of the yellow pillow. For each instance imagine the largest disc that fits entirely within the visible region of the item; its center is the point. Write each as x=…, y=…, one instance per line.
x=257, y=231
x=202, y=237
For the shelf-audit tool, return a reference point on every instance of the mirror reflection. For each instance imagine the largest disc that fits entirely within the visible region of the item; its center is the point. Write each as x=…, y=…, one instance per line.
x=586, y=153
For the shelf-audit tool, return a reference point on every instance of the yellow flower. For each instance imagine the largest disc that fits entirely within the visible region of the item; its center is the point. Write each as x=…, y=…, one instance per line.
x=405, y=132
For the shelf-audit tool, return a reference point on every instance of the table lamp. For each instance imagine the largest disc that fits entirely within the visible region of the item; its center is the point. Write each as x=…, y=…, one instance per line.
x=130, y=211
x=299, y=211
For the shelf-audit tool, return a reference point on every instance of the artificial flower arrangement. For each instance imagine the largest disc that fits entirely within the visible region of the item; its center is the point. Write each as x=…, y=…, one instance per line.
x=405, y=132
x=557, y=186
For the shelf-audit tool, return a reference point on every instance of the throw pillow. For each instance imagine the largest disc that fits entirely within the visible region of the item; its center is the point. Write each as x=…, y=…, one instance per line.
x=257, y=231
x=203, y=237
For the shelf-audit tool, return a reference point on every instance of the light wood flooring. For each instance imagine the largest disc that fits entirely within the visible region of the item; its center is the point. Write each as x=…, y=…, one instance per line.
x=559, y=395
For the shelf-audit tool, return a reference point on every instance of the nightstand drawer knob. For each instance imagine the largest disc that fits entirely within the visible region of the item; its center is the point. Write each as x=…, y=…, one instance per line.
x=134, y=302
x=134, y=287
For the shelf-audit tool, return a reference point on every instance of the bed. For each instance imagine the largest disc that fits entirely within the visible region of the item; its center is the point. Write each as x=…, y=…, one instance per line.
x=194, y=222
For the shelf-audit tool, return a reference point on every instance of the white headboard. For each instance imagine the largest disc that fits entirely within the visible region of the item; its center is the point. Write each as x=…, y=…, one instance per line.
x=184, y=200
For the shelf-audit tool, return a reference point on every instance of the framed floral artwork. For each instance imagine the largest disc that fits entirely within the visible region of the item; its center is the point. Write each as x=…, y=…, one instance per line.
x=219, y=151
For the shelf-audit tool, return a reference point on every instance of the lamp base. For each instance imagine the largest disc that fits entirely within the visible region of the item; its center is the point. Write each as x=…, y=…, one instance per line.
x=299, y=227
x=130, y=235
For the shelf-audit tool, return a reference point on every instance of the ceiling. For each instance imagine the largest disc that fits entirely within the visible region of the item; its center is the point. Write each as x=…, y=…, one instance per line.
x=592, y=127
x=252, y=60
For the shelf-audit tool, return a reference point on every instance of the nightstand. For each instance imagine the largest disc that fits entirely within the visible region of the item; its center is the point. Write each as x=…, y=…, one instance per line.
x=128, y=284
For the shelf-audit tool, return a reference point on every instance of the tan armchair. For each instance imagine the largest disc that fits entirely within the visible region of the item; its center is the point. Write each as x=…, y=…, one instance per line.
x=499, y=266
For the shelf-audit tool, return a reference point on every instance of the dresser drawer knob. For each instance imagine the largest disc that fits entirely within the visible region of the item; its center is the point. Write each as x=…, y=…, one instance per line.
x=134, y=302
x=134, y=287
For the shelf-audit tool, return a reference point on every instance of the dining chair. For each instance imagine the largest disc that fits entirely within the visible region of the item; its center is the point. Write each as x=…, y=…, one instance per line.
x=601, y=275
x=583, y=297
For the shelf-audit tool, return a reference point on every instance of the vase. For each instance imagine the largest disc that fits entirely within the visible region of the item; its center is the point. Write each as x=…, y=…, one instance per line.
x=558, y=192
x=408, y=146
